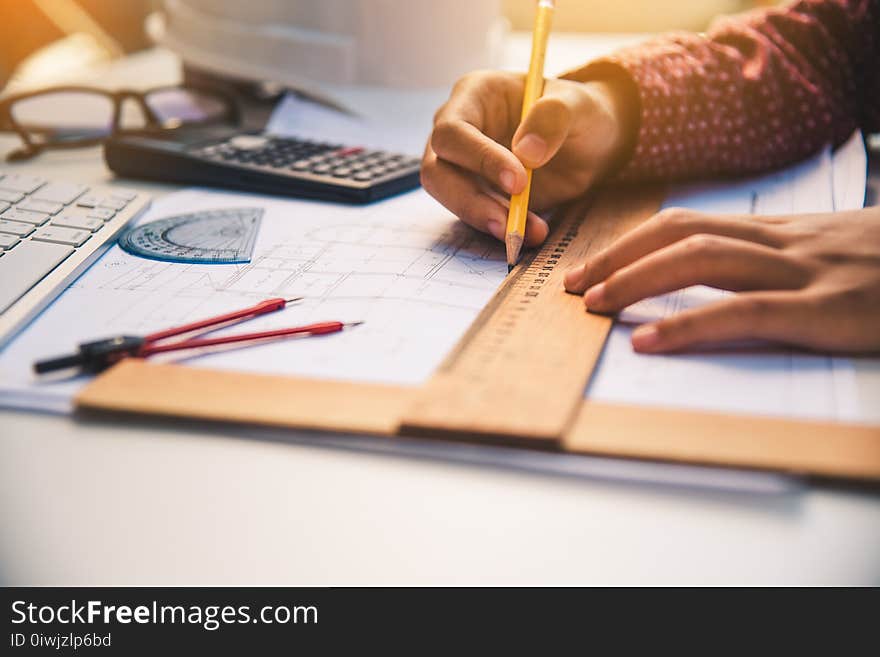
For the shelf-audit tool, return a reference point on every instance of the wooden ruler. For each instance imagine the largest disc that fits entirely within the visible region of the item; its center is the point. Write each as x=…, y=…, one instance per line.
x=518, y=375
x=531, y=397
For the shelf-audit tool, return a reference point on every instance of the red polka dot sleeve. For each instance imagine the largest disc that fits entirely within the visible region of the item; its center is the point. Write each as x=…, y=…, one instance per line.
x=759, y=90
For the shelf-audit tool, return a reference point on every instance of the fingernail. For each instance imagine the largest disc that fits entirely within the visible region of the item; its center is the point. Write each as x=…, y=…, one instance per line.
x=496, y=229
x=594, y=295
x=645, y=337
x=508, y=180
x=573, y=276
x=531, y=148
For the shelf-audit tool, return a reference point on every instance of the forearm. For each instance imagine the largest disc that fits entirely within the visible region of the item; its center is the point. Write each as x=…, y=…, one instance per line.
x=758, y=91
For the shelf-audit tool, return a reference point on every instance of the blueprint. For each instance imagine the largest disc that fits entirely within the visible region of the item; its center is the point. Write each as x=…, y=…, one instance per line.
x=417, y=278
x=407, y=268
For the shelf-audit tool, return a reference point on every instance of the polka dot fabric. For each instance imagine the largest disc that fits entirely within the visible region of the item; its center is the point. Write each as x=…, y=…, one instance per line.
x=758, y=91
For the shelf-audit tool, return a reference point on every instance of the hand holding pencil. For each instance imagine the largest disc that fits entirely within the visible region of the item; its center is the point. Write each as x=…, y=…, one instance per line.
x=483, y=146
x=519, y=203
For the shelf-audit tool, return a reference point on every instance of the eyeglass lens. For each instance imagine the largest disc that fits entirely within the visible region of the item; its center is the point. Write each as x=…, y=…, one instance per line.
x=176, y=106
x=79, y=115
x=64, y=116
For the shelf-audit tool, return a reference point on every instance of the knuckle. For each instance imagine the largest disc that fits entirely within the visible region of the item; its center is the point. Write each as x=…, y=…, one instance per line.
x=701, y=245
x=443, y=135
x=472, y=80
x=440, y=113
x=677, y=217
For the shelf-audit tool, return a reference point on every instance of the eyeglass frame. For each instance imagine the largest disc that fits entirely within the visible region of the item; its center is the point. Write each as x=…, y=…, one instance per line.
x=118, y=97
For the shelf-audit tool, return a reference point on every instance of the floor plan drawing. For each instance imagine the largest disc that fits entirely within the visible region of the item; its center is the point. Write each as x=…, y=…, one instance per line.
x=415, y=276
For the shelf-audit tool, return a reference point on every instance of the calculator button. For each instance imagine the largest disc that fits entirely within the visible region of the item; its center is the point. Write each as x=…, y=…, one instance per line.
x=35, y=218
x=363, y=176
x=249, y=142
x=351, y=150
x=301, y=165
x=321, y=168
x=15, y=228
x=341, y=172
x=66, y=236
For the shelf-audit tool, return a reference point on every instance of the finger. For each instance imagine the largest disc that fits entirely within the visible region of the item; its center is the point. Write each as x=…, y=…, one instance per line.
x=461, y=143
x=773, y=316
x=537, y=227
x=663, y=229
x=543, y=131
x=720, y=262
x=463, y=196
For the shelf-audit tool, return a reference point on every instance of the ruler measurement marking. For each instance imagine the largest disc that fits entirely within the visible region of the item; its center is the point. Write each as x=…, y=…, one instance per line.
x=519, y=372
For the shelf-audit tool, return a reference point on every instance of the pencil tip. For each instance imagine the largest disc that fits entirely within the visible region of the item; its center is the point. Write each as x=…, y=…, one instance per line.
x=509, y=268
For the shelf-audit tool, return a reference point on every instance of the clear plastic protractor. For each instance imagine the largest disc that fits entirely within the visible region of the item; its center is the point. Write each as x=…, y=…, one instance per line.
x=223, y=236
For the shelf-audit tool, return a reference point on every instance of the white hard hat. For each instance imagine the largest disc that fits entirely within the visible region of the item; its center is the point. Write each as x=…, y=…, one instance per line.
x=315, y=45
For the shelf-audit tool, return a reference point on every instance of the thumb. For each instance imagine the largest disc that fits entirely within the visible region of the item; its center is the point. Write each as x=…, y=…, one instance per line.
x=543, y=132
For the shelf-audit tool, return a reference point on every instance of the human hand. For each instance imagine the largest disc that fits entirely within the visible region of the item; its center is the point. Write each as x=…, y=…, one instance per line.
x=572, y=135
x=808, y=280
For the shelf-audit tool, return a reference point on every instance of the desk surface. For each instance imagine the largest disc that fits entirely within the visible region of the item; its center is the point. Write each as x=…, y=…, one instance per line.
x=161, y=503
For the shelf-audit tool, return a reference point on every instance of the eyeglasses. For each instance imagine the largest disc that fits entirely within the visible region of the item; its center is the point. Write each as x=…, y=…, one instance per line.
x=72, y=117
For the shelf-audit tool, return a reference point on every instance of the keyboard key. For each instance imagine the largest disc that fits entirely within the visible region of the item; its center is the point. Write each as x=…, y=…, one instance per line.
x=101, y=213
x=7, y=242
x=87, y=201
x=35, y=218
x=112, y=202
x=15, y=228
x=10, y=196
x=41, y=206
x=69, y=220
x=58, y=235
x=126, y=194
x=24, y=266
x=18, y=183
x=54, y=192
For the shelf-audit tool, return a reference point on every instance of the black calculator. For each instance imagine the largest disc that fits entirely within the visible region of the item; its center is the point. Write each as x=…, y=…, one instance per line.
x=264, y=163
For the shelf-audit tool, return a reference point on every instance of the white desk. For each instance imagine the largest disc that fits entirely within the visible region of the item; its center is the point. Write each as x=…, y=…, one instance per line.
x=162, y=503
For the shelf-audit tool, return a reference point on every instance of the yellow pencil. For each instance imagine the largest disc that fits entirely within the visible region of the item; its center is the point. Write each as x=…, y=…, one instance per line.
x=519, y=203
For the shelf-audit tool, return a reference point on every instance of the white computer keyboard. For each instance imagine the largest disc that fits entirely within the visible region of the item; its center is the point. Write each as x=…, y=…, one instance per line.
x=50, y=232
